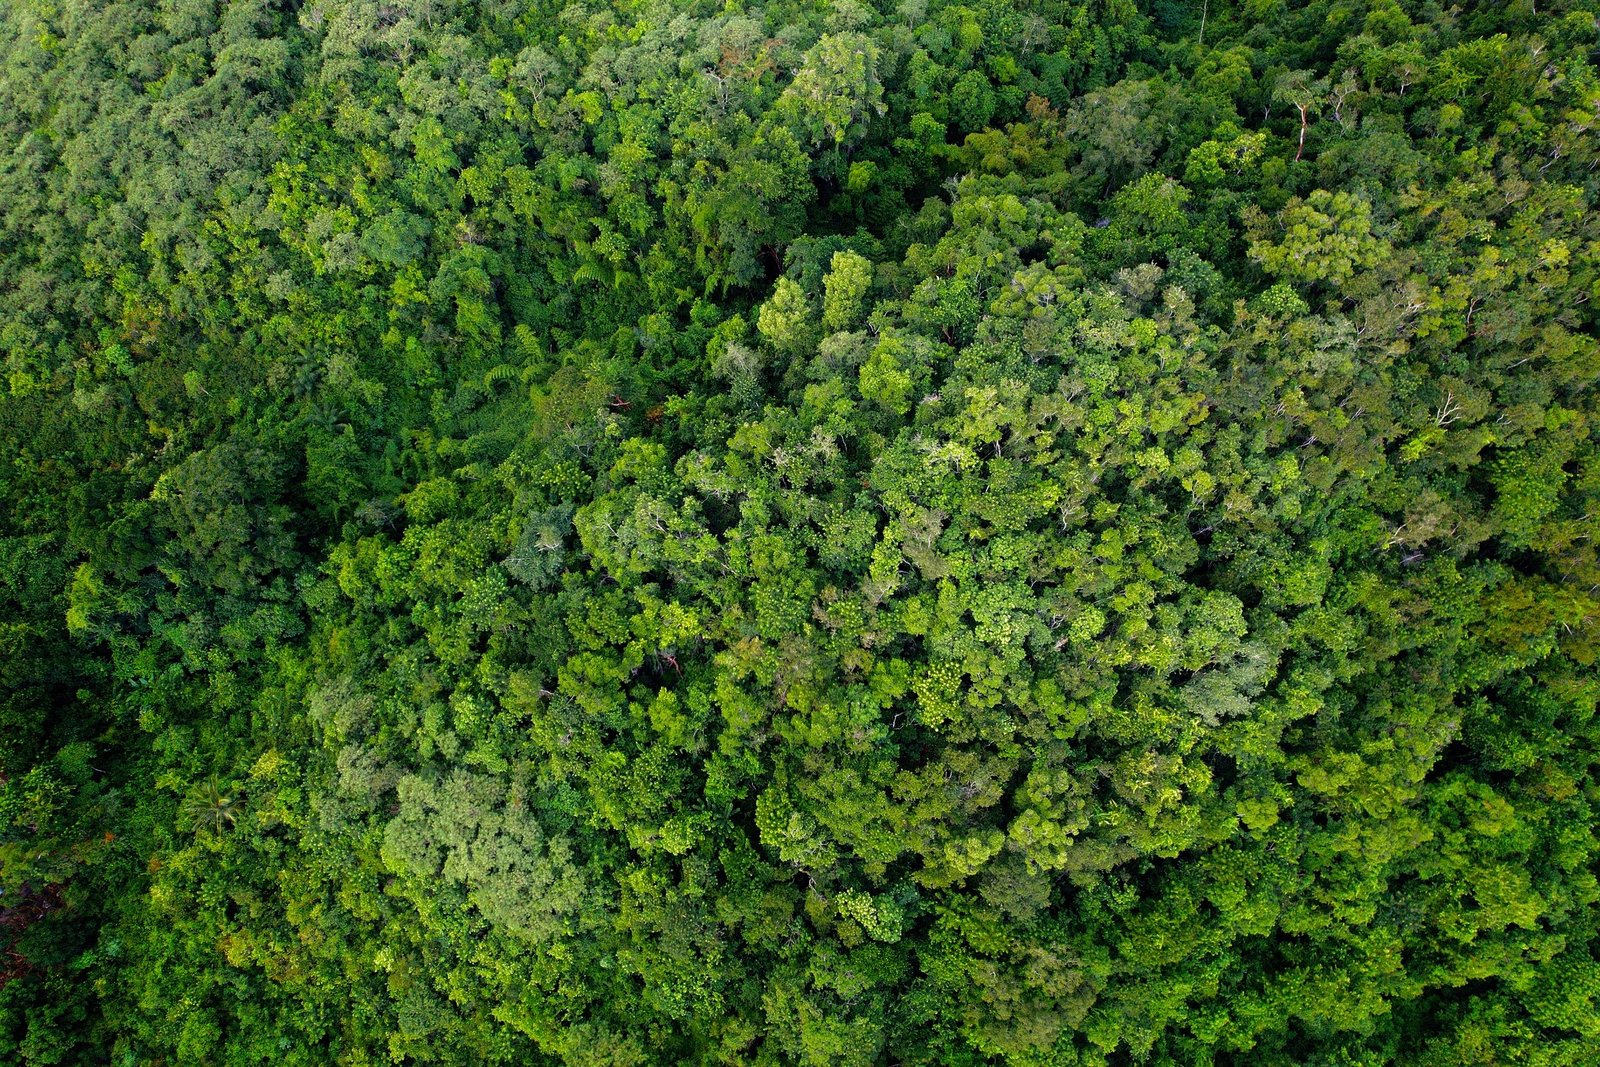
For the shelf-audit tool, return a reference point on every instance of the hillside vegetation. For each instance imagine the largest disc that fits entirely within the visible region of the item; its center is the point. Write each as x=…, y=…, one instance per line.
x=1019, y=532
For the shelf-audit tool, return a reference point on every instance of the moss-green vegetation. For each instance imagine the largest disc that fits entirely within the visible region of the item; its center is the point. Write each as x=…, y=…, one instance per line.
x=1031, y=533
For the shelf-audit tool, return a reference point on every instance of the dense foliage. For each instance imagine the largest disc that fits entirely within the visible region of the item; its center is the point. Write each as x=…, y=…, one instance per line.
x=1034, y=532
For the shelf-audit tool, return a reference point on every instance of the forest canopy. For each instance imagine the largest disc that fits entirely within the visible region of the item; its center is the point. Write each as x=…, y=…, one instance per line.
x=1046, y=533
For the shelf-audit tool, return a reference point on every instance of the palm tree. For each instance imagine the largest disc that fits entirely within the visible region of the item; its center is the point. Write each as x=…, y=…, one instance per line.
x=209, y=807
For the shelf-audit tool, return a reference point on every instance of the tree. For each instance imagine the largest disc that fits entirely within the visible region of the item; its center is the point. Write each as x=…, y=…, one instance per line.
x=784, y=321
x=844, y=288
x=1324, y=237
x=1304, y=92
x=836, y=91
x=209, y=808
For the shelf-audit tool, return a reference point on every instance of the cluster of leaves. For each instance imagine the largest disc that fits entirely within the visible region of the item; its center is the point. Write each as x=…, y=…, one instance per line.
x=668, y=532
